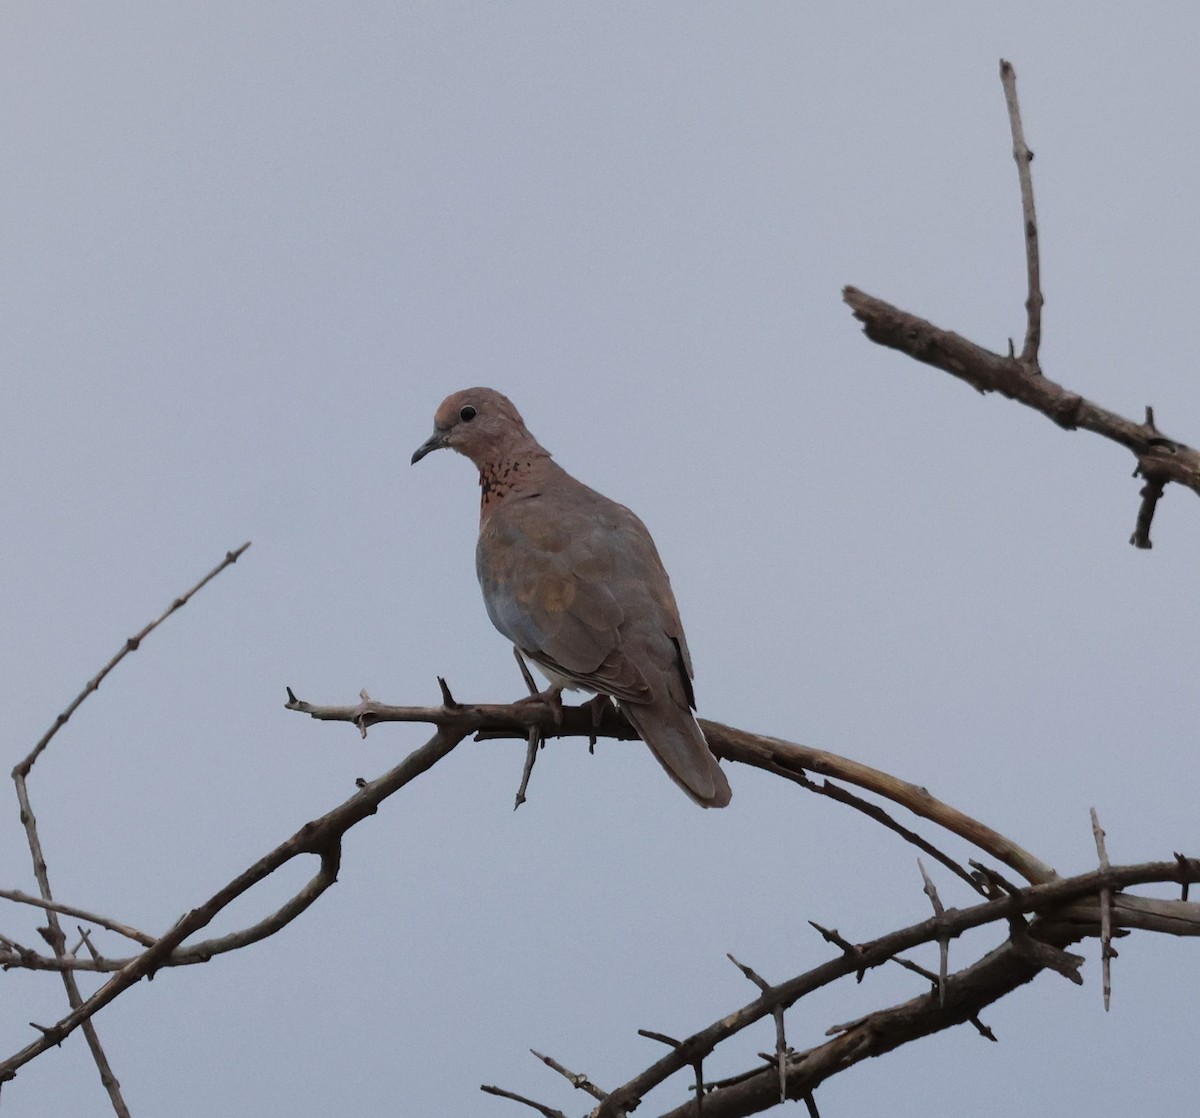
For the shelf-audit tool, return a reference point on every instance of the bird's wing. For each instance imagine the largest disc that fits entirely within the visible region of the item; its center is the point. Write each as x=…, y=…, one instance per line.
x=574, y=580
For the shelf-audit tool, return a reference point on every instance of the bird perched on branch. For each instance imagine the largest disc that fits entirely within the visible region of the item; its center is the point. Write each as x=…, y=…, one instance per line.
x=575, y=582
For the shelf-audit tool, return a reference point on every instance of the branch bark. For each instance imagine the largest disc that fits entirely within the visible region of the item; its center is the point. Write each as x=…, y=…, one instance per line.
x=1160, y=460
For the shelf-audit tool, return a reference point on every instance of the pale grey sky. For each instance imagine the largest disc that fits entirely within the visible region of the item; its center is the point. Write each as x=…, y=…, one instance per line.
x=247, y=248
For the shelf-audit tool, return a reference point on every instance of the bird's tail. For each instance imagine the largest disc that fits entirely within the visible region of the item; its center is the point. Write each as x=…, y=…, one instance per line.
x=678, y=742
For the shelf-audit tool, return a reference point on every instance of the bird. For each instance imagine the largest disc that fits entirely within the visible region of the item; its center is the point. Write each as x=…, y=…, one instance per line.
x=574, y=580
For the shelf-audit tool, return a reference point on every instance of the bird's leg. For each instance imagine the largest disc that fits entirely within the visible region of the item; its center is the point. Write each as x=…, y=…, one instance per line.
x=551, y=697
x=597, y=705
x=526, y=675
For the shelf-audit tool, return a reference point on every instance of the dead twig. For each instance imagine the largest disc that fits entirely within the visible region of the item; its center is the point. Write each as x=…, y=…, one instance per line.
x=781, y=1048
x=1107, y=952
x=546, y=1111
x=998, y=973
x=1160, y=459
x=20, y=775
x=321, y=837
x=939, y=912
x=125, y=930
x=579, y=1082
x=1023, y=157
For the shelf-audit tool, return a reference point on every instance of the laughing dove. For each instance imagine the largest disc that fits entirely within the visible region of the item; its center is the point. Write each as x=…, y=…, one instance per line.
x=575, y=582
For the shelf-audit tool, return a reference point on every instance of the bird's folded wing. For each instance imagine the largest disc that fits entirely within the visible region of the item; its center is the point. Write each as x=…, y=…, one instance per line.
x=566, y=584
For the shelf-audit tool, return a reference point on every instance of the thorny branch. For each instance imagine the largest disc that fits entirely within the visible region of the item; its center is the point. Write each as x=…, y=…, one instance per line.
x=1029, y=949
x=1069, y=898
x=53, y=932
x=1160, y=460
x=1042, y=917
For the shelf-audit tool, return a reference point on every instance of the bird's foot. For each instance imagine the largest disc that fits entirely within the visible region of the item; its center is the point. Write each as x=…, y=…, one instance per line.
x=550, y=698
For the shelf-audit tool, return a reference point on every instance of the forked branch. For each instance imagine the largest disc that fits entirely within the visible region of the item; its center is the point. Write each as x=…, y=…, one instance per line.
x=1160, y=460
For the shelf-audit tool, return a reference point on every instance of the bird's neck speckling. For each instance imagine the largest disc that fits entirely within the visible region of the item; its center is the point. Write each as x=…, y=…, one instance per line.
x=498, y=481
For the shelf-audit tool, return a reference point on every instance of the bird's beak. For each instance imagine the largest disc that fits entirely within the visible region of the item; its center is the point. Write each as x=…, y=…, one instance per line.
x=436, y=441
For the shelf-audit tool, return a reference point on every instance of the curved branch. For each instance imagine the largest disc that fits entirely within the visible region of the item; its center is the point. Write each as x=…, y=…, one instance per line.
x=321, y=837
x=493, y=720
x=788, y=758
x=965, y=993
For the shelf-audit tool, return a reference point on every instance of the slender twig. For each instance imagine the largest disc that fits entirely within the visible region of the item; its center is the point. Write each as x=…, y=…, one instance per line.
x=851, y=950
x=79, y=913
x=934, y=980
x=85, y=940
x=697, y=1062
x=1151, y=493
x=874, y=811
x=662, y=1038
x=939, y=912
x=546, y=1111
x=579, y=1082
x=20, y=776
x=1023, y=157
x=781, y=1048
x=1106, y=947
x=131, y=645
x=998, y=882
x=983, y=1030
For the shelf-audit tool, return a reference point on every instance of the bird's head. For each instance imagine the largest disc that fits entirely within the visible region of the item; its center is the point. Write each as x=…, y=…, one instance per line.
x=479, y=423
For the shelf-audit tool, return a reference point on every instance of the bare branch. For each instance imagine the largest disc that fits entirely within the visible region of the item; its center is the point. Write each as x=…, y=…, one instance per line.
x=1151, y=493
x=1106, y=947
x=1160, y=460
x=874, y=811
x=781, y=1048
x=131, y=645
x=1023, y=157
x=321, y=837
x=579, y=1082
x=772, y=754
x=20, y=776
x=939, y=911
x=80, y=913
x=1002, y=970
x=547, y=1111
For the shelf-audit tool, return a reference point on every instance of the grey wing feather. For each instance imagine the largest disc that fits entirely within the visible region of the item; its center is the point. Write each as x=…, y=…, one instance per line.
x=565, y=579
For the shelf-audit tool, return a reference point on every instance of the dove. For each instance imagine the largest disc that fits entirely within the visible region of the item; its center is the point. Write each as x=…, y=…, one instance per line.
x=574, y=580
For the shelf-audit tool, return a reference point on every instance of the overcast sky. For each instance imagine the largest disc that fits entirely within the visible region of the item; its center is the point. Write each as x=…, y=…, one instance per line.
x=245, y=251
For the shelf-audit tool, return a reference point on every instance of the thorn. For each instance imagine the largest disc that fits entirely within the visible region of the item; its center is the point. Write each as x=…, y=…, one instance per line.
x=1184, y=868
x=448, y=700
x=662, y=1038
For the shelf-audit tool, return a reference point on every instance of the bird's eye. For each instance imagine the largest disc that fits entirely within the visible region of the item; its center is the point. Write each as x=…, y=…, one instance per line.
x=467, y=414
